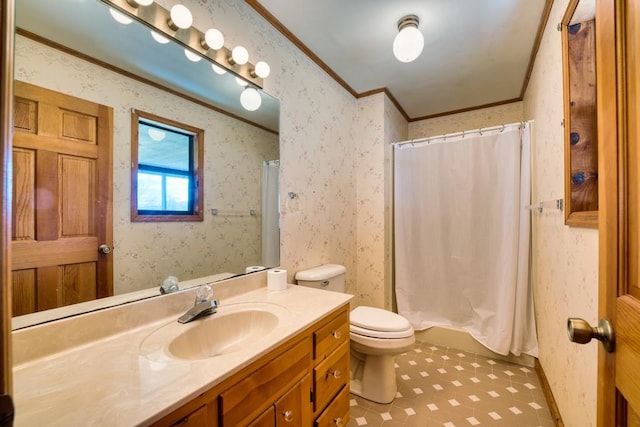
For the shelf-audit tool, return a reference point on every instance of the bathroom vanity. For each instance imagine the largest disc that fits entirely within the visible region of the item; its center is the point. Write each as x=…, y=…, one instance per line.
x=266, y=358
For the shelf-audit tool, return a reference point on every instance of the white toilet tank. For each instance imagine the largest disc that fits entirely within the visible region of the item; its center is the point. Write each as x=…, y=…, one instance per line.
x=327, y=276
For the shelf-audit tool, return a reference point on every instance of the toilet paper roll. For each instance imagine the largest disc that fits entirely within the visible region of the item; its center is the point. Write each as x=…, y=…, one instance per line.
x=253, y=268
x=277, y=280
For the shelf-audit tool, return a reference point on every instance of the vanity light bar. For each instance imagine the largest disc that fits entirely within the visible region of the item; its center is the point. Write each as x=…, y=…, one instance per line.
x=158, y=19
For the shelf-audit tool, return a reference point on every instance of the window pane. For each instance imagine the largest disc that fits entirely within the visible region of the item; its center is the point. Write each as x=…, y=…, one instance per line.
x=177, y=193
x=149, y=191
x=163, y=148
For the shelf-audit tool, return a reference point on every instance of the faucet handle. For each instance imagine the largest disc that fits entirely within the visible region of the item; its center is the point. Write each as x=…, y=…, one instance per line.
x=203, y=293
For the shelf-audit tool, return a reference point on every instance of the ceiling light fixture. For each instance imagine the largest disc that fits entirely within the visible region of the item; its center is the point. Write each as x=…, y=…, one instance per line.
x=156, y=134
x=409, y=41
x=250, y=99
x=213, y=39
x=239, y=55
x=181, y=18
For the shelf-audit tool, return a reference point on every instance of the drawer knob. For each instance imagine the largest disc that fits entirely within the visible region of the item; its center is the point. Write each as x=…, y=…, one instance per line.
x=338, y=421
x=337, y=334
x=288, y=416
x=336, y=374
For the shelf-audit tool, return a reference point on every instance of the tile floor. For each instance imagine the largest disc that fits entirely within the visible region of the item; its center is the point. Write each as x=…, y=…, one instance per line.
x=439, y=386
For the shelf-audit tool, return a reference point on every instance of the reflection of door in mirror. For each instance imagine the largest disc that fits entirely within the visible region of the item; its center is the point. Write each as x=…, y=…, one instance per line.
x=580, y=116
x=62, y=200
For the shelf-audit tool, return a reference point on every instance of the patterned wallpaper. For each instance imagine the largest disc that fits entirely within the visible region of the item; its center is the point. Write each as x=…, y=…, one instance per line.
x=487, y=117
x=317, y=141
x=145, y=253
x=565, y=259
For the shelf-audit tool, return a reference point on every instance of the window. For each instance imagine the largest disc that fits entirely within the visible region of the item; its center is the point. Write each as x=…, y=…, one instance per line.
x=166, y=159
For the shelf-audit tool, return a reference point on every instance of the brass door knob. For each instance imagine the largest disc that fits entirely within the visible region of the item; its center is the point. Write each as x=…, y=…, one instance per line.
x=581, y=332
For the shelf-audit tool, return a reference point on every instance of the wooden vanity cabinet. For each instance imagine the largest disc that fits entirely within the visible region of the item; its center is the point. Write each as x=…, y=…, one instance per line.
x=303, y=382
x=331, y=370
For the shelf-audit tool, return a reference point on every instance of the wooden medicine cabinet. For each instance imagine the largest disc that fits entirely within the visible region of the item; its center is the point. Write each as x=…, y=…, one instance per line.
x=580, y=114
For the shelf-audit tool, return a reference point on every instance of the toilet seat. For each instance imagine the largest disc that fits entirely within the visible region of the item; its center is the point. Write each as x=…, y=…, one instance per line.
x=377, y=323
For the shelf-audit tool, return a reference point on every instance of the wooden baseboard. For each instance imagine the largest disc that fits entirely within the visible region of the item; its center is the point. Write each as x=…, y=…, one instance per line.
x=546, y=389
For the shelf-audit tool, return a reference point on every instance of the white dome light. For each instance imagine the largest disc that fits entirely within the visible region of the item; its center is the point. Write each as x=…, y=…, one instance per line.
x=239, y=55
x=250, y=99
x=262, y=69
x=218, y=69
x=120, y=17
x=159, y=38
x=213, y=39
x=180, y=17
x=156, y=134
x=409, y=41
x=193, y=57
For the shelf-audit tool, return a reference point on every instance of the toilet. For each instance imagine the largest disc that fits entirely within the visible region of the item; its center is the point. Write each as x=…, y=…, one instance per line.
x=377, y=336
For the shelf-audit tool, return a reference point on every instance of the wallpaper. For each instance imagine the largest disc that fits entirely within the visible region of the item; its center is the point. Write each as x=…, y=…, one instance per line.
x=565, y=259
x=317, y=141
x=145, y=253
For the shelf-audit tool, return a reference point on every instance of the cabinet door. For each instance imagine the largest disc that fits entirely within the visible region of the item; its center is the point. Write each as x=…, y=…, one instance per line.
x=294, y=408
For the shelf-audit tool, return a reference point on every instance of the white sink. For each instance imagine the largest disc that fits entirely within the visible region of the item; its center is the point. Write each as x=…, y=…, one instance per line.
x=233, y=328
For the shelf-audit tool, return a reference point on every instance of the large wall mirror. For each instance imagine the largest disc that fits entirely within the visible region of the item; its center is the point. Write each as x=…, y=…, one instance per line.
x=77, y=48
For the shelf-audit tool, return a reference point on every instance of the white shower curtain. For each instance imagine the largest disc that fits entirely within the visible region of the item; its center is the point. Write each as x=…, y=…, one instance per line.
x=270, y=214
x=462, y=235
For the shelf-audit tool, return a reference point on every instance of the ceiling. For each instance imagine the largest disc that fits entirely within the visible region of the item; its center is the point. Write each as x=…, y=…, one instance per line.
x=477, y=52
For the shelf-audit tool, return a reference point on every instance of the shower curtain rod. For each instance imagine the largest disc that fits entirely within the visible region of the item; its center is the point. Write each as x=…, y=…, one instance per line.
x=462, y=134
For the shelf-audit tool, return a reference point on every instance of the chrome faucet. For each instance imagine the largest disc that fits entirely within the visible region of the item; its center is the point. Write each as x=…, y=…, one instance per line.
x=203, y=306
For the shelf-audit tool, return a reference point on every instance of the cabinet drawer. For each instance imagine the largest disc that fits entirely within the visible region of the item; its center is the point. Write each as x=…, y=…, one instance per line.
x=336, y=414
x=330, y=376
x=331, y=336
x=250, y=396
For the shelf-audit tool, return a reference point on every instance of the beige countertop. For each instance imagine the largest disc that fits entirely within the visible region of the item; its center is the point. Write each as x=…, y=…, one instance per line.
x=110, y=380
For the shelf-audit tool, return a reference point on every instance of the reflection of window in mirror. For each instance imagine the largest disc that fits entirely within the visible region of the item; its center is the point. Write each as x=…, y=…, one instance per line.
x=580, y=114
x=166, y=159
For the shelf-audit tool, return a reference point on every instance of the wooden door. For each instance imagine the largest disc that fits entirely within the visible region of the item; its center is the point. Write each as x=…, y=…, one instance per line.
x=62, y=176
x=618, y=47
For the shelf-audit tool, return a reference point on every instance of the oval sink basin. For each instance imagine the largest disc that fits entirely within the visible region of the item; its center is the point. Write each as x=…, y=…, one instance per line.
x=231, y=329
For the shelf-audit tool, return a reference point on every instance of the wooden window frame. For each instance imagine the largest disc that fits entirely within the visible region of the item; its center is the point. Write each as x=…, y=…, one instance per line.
x=198, y=166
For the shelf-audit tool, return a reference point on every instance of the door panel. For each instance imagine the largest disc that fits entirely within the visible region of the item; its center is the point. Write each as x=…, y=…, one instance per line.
x=62, y=192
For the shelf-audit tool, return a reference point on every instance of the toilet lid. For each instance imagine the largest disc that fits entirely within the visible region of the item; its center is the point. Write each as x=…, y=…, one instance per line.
x=376, y=319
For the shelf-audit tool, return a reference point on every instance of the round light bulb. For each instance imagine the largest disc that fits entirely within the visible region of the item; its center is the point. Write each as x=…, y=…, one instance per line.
x=181, y=16
x=240, y=55
x=214, y=39
x=144, y=2
x=250, y=99
x=262, y=69
x=156, y=134
x=192, y=56
x=218, y=69
x=159, y=38
x=241, y=82
x=120, y=17
x=408, y=44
